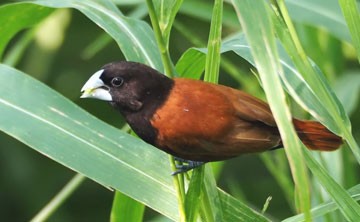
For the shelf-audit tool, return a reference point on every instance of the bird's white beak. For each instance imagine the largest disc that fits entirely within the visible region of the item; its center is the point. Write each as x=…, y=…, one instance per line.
x=95, y=88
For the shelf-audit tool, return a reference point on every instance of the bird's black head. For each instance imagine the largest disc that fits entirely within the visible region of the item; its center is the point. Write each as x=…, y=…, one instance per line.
x=128, y=86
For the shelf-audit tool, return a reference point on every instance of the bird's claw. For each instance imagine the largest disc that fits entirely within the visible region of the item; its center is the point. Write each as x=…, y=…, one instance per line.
x=186, y=166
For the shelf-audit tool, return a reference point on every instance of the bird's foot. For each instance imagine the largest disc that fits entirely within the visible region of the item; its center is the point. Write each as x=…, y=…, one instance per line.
x=186, y=165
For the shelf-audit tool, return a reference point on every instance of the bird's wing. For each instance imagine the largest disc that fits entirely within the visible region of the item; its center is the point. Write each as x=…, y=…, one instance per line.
x=248, y=107
x=254, y=128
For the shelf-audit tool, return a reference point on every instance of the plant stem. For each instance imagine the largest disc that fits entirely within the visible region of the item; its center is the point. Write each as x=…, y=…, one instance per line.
x=285, y=14
x=169, y=71
x=179, y=190
x=266, y=204
x=164, y=52
x=212, y=64
x=59, y=199
x=210, y=207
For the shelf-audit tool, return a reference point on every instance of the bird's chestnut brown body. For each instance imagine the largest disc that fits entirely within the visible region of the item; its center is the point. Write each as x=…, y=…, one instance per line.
x=195, y=120
x=206, y=122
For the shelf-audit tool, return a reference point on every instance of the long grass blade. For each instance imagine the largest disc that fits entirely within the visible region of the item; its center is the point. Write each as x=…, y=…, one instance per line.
x=350, y=9
x=326, y=207
x=59, y=199
x=256, y=23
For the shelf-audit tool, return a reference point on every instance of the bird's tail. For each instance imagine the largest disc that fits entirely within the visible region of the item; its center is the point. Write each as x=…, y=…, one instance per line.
x=315, y=136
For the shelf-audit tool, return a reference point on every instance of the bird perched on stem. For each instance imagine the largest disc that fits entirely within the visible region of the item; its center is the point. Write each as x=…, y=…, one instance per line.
x=193, y=120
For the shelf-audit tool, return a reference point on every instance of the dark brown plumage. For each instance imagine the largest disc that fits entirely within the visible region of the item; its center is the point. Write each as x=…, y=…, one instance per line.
x=195, y=120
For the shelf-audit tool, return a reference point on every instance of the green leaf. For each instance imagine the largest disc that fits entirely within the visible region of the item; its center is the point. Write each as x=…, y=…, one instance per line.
x=127, y=32
x=83, y=143
x=104, y=39
x=191, y=64
x=348, y=206
x=320, y=13
x=256, y=23
x=326, y=207
x=126, y=209
x=244, y=214
x=351, y=13
x=211, y=202
x=18, y=16
x=166, y=11
x=194, y=195
x=312, y=79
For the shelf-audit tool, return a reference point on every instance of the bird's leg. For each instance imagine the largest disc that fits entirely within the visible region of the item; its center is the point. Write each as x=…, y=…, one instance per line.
x=189, y=165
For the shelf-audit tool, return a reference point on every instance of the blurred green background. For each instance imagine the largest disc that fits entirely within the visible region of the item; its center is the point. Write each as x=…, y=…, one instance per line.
x=61, y=55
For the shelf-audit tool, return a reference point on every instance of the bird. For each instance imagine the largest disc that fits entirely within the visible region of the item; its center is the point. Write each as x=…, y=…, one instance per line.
x=196, y=121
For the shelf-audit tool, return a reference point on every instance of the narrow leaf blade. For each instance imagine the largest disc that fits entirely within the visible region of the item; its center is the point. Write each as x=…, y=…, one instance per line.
x=54, y=126
x=127, y=32
x=256, y=23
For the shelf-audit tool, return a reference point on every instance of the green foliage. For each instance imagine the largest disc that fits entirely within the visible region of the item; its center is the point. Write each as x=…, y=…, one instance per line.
x=39, y=117
x=18, y=17
x=350, y=10
x=263, y=48
x=126, y=209
x=133, y=44
x=212, y=64
x=82, y=142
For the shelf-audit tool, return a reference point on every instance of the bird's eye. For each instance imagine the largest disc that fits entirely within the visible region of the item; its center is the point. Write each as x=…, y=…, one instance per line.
x=117, y=81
